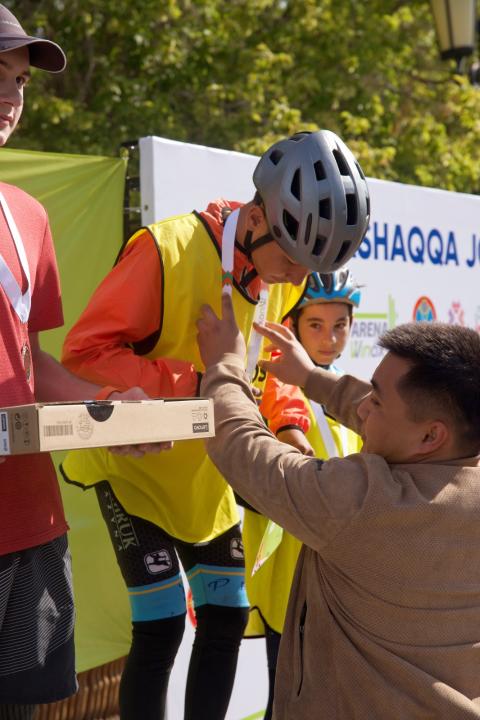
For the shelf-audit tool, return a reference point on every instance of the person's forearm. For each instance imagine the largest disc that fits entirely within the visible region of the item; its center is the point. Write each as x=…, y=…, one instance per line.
x=120, y=366
x=265, y=472
x=54, y=383
x=310, y=499
x=236, y=409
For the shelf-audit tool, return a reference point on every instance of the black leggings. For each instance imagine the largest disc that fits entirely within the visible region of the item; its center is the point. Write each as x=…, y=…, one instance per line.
x=144, y=683
x=213, y=662
x=272, y=640
x=147, y=555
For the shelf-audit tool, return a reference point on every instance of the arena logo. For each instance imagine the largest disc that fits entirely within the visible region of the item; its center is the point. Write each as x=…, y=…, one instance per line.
x=367, y=328
x=424, y=310
x=385, y=241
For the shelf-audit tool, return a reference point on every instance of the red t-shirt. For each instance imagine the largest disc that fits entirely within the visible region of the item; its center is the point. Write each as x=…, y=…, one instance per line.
x=31, y=511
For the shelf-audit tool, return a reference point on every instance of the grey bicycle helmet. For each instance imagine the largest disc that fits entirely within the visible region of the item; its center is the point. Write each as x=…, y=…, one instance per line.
x=315, y=197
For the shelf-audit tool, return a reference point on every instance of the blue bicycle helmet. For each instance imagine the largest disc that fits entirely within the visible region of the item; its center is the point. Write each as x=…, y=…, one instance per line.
x=339, y=286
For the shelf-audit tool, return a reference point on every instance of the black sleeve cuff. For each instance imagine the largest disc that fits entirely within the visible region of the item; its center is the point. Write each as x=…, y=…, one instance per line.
x=289, y=427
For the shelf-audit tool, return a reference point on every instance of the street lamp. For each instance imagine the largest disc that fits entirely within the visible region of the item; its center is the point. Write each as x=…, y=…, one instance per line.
x=455, y=22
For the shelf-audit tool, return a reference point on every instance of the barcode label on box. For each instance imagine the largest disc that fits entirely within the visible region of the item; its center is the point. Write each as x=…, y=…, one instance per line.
x=58, y=430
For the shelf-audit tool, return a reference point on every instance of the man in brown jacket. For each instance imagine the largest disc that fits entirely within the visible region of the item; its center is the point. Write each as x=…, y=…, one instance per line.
x=384, y=615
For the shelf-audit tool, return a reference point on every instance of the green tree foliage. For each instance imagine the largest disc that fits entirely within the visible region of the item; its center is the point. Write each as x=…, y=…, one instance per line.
x=239, y=74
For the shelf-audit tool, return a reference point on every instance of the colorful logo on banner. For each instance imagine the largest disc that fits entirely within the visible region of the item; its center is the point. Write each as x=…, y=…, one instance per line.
x=424, y=310
x=456, y=314
x=366, y=330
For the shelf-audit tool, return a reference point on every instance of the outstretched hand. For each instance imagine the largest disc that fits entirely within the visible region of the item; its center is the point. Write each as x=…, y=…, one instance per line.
x=294, y=365
x=137, y=393
x=218, y=336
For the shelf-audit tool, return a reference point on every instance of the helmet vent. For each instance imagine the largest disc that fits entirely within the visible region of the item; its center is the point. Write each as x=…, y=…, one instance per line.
x=308, y=229
x=276, y=156
x=352, y=213
x=295, y=186
x=291, y=224
x=327, y=281
x=312, y=282
x=325, y=209
x=342, y=165
x=343, y=251
x=319, y=170
x=368, y=205
x=319, y=246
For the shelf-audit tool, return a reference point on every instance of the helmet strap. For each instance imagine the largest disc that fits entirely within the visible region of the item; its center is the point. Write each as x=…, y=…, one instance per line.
x=250, y=246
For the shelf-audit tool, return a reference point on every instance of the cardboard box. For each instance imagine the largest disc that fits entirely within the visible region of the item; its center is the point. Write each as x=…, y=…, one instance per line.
x=102, y=423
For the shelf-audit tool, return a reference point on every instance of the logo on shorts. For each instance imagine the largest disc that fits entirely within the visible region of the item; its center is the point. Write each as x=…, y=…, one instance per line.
x=218, y=583
x=236, y=549
x=124, y=530
x=158, y=562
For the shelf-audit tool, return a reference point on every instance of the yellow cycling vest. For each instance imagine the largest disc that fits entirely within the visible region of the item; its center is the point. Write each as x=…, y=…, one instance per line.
x=269, y=589
x=180, y=490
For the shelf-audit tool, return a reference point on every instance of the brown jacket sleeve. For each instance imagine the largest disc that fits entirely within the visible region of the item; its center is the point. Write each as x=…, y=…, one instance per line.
x=341, y=395
x=312, y=500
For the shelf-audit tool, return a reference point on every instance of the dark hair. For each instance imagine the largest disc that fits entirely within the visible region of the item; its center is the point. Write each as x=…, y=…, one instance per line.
x=444, y=377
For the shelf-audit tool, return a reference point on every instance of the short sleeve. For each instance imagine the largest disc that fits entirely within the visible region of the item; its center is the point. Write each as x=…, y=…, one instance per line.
x=46, y=311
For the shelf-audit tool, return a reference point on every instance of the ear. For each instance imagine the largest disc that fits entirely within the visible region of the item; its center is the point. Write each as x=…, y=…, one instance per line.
x=435, y=436
x=256, y=217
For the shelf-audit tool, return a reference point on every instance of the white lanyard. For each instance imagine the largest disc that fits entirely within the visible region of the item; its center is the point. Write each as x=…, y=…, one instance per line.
x=228, y=250
x=327, y=435
x=20, y=302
